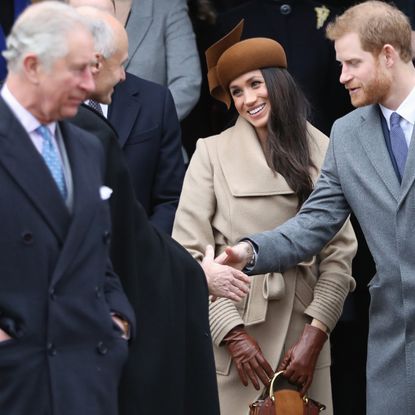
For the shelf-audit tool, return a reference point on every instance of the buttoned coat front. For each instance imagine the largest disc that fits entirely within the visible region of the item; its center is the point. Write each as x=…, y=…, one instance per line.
x=358, y=176
x=229, y=191
x=57, y=288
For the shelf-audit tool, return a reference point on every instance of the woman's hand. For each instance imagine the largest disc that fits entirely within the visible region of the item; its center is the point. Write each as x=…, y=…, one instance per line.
x=300, y=361
x=248, y=358
x=223, y=280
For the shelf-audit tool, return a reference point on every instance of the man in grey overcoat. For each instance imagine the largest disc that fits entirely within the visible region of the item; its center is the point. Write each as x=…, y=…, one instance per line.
x=369, y=170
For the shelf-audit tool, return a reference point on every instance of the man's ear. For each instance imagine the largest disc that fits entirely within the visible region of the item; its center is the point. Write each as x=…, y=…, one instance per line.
x=31, y=66
x=390, y=55
x=97, y=66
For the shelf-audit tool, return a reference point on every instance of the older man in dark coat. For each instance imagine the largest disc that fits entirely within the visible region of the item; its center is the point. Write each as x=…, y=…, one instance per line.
x=64, y=317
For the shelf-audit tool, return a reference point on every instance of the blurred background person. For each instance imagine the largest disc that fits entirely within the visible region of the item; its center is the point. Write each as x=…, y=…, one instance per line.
x=162, y=47
x=144, y=117
x=252, y=177
x=9, y=11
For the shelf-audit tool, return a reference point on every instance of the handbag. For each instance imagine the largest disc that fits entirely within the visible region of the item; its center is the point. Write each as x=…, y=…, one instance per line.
x=284, y=402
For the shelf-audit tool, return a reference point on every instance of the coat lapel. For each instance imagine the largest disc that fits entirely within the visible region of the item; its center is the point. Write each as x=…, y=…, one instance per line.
x=244, y=165
x=409, y=173
x=85, y=195
x=373, y=142
x=140, y=19
x=124, y=109
x=20, y=158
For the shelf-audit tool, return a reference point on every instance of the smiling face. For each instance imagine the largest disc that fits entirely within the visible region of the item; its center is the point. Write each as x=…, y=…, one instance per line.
x=363, y=74
x=250, y=96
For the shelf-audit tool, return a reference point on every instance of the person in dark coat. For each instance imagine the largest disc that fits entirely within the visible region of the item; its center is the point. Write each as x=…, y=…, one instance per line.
x=172, y=353
x=64, y=318
x=171, y=359
x=144, y=115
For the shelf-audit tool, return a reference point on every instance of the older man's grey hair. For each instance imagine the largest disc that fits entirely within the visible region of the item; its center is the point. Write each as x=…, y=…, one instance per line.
x=104, y=5
x=44, y=30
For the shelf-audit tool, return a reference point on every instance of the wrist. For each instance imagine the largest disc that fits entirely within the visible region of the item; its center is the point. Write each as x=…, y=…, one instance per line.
x=250, y=254
x=318, y=324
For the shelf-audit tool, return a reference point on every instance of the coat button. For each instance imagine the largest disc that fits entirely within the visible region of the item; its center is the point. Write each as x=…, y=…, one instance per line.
x=27, y=238
x=285, y=9
x=106, y=237
x=98, y=292
x=51, y=349
x=102, y=348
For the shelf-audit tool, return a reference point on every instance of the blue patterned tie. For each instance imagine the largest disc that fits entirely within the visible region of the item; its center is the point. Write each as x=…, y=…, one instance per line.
x=52, y=160
x=398, y=142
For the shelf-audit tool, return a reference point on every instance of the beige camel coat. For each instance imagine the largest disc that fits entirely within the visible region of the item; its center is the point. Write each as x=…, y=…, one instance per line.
x=230, y=192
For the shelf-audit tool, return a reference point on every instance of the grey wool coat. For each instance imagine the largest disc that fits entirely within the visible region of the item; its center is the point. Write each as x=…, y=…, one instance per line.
x=162, y=48
x=358, y=176
x=229, y=191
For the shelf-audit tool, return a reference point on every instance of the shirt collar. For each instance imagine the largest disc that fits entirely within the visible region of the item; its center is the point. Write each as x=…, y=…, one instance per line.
x=406, y=110
x=25, y=117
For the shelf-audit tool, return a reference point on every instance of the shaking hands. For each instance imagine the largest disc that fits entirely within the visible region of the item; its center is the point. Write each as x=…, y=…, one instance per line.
x=223, y=279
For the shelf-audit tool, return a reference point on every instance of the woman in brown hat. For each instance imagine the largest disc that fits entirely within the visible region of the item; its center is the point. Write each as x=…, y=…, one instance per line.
x=250, y=178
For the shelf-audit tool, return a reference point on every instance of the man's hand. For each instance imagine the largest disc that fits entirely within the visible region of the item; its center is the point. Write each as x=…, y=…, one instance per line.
x=122, y=324
x=248, y=358
x=223, y=280
x=4, y=336
x=300, y=361
x=236, y=256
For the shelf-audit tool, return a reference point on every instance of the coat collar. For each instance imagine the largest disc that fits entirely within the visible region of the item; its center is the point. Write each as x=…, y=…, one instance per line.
x=21, y=159
x=125, y=107
x=409, y=173
x=244, y=166
x=141, y=17
x=86, y=195
x=373, y=141
x=25, y=165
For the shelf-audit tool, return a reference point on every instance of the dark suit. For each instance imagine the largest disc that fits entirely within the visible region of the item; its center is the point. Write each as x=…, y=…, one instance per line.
x=171, y=360
x=144, y=116
x=57, y=288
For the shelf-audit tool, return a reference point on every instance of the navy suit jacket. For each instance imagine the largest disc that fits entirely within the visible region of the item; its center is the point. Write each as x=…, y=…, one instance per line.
x=57, y=287
x=145, y=118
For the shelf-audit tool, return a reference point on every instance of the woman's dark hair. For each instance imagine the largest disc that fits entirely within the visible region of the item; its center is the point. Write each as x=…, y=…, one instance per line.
x=287, y=149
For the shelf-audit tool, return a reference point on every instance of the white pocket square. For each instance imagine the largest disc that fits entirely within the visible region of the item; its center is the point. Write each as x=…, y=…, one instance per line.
x=105, y=192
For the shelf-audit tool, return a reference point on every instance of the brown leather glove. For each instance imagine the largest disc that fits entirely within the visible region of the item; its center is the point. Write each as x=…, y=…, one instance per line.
x=300, y=361
x=248, y=357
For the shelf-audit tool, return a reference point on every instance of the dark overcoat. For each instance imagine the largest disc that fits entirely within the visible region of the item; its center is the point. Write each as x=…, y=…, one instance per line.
x=170, y=367
x=57, y=289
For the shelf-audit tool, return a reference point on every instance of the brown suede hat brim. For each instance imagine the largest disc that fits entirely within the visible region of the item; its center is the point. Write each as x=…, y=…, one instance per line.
x=229, y=58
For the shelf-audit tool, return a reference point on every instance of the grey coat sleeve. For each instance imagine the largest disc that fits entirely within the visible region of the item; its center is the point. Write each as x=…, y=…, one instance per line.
x=182, y=59
x=303, y=236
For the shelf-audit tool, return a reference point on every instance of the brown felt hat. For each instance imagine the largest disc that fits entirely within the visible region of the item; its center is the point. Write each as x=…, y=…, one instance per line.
x=230, y=57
